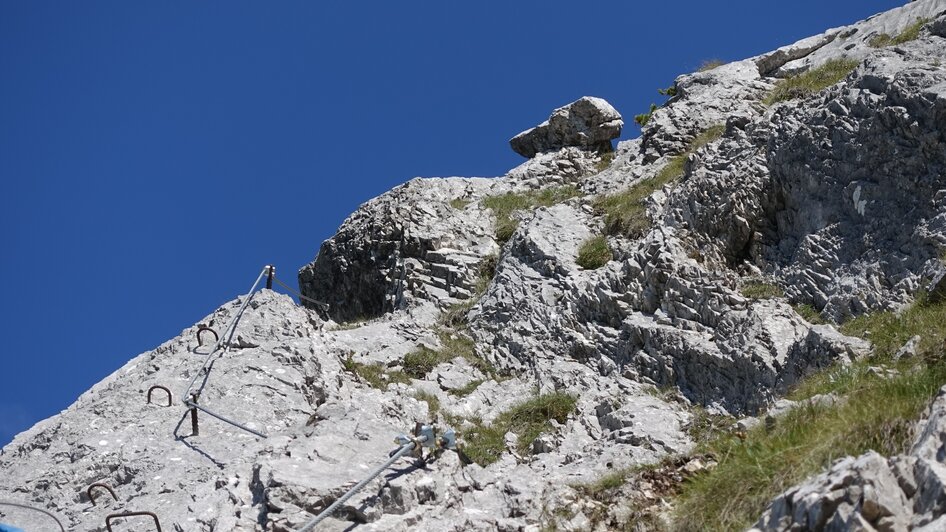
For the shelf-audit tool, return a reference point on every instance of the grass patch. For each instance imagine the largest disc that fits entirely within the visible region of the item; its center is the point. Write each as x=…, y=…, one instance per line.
x=353, y=324
x=761, y=290
x=625, y=213
x=504, y=205
x=889, y=331
x=468, y=389
x=433, y=404
x=459, y=203
x=375, y=375
x=812, y=81
x=455, y=316
x=606, y=159
x=809, y=312
x=878, y=414
x=484, y=444
x=594, y=253
x=709, y=64
x=910, y=33
x=453, y=344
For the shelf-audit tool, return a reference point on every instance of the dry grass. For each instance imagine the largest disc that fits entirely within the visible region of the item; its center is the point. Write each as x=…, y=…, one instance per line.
x=761, y=290
x=910, y=33
x=812, y=81
x=625, y=212
x=504, y=205
x=878, y=414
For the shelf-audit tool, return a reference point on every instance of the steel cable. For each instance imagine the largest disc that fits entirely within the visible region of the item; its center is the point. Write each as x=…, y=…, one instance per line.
x=407, y=447
x=28, y=507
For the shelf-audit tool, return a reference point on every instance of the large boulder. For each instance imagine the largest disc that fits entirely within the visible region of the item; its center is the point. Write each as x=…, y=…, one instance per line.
x=588, y=122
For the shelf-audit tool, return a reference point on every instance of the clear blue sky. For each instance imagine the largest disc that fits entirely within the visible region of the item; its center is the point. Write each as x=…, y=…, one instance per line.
x=155, y=155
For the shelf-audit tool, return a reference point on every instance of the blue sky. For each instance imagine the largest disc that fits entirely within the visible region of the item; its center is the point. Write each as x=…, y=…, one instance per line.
x=155, y=155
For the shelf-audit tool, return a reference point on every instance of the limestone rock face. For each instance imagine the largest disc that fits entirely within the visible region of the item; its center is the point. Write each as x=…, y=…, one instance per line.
x=836, y=200
x=589, y=123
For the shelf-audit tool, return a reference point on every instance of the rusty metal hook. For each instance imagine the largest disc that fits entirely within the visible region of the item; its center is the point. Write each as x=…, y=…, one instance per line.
x=106, y=487
x=159, y=387
x=203, y=328
x=109, y=518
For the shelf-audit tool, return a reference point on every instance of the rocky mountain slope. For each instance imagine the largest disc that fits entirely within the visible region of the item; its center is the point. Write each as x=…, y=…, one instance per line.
x=570, y=318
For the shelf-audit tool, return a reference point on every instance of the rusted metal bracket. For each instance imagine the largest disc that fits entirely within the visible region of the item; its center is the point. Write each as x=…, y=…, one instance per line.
x=202, y=328
x=159, y=387
x=103, y=486
x=108, y=518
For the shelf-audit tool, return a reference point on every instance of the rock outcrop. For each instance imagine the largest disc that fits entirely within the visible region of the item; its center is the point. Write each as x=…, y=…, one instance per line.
x=871, y=492
x=836, y=200
x=590, y=123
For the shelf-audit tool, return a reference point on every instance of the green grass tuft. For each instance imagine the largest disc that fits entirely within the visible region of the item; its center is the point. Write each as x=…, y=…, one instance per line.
x=606, y=159
x=468, y=389
x=710, y=64
x=625, y=213
x=878, y=414
x=812, y=81
x=910, y=33
x=453, y=344
x=375, y=375
x=809, y=313
x=484, y=444
x=459, y=203
x=594, y=253
x=433, y=404
x=889, y=331
x=504, y=205
x=761, y=290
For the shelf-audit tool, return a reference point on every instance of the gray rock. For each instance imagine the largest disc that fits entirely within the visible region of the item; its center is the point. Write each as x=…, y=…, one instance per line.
x=590, y=123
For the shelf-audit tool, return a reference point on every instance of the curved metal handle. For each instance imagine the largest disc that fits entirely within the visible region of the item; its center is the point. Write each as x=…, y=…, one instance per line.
x=103, y=486
x=27, y=507
x=159, y=387
x=202, y=328
x=109, y=518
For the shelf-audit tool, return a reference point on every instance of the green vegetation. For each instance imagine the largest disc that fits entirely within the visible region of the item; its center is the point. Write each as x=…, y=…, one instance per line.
x=453, y=344
x=376, y=375
x=809, y=313
x=910, y=33
x=606, y=159
x=468, y=389
x=878, y=414
x=353, y=324
x=812, y=81
x=889, y=331
x=459, y=203
x=625, y=212
x=504, y=205
x=710, y=64
x=643, y=118
x=455, y=316
x=593, y=253
x=669, y=91
x=761, y=290
x=433, y=404
x=484, y=444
